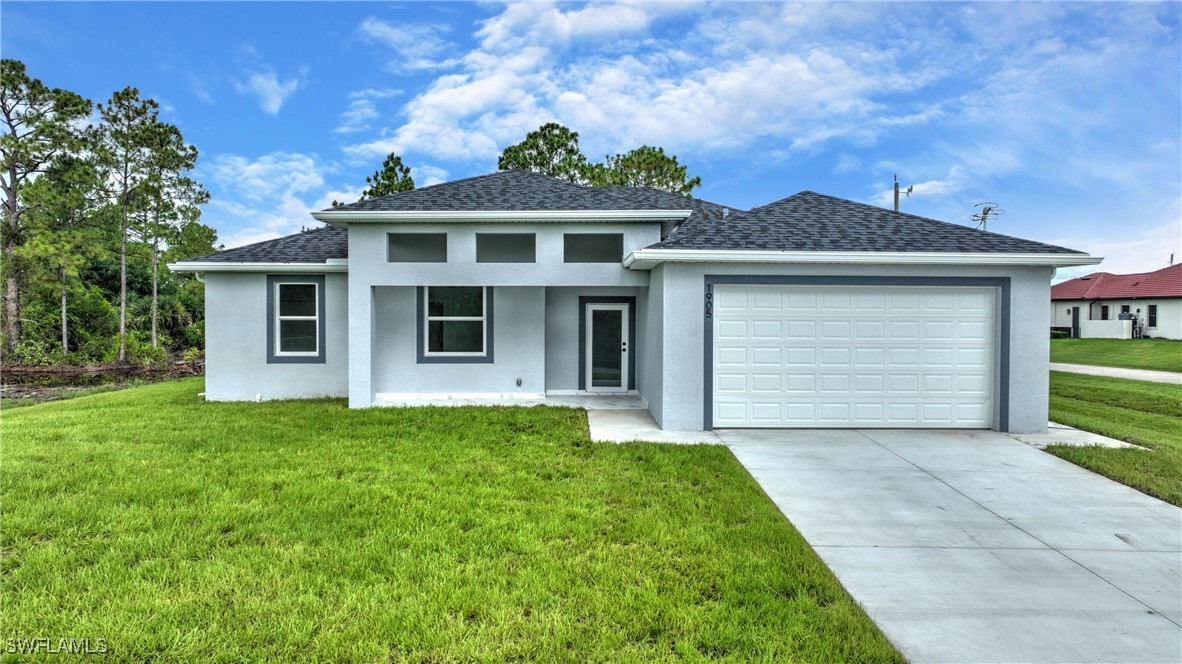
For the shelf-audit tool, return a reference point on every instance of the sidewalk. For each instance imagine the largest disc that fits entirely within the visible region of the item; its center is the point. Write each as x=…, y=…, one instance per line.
x=1118, y=372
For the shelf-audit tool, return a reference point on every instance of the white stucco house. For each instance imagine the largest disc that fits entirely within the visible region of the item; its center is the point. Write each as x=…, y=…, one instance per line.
x=1092, y=306
x=811, y=311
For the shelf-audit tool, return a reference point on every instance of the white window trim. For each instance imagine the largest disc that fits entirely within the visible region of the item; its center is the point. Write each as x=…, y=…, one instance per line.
x=428, y=318
x=279, y=318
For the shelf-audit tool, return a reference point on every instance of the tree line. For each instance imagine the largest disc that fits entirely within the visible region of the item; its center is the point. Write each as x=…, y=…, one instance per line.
x=553, y=150
x=94, y=205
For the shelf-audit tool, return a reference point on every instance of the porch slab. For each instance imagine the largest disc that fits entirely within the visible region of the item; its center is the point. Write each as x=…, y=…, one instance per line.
x=637, y=424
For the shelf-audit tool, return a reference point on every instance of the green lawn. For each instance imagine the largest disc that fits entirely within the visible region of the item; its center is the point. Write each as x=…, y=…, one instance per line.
x=1140, y=412
x=184, y=531
x=1155, y=354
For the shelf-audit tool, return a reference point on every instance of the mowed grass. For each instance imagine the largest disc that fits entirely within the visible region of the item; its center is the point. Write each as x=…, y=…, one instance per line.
x=180, y=530
x=1139, y=412
x=1153, y=354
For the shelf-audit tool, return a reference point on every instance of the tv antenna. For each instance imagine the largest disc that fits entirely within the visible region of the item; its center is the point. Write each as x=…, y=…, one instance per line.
x=907, y=192
x=985, y=212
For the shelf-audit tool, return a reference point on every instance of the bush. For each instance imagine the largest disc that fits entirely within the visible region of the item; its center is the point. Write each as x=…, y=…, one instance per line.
x=1060, y=334
x=192, y=356
x=140, y=350
x=37, y=353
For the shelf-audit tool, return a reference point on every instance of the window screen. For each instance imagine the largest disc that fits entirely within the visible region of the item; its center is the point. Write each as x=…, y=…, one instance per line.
x=505, y=248
x=417, y=248
x=592, y=247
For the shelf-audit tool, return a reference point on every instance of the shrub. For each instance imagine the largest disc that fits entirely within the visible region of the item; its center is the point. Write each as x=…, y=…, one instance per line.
x=1060, y=334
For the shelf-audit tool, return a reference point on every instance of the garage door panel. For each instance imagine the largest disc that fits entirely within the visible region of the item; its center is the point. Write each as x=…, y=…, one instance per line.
x=853, y=356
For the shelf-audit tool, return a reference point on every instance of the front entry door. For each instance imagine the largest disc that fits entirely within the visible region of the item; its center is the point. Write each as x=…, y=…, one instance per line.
x=606, y=354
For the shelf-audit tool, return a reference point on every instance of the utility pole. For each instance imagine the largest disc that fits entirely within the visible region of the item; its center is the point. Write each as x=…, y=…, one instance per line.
x=907, y=192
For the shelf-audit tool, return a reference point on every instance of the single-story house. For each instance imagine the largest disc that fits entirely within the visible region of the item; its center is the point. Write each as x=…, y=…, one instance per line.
x=1093, y=306
x=811, y=311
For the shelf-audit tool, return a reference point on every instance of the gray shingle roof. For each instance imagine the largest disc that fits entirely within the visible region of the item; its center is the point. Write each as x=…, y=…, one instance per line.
x=814, y=222
x=704, y=214
x=314, y=246
x=515, y=190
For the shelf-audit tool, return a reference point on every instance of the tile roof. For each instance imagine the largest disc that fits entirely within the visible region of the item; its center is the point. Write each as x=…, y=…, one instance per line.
x=814, y=222
x=1166, y=282
x=314, y=246
x=515, y=190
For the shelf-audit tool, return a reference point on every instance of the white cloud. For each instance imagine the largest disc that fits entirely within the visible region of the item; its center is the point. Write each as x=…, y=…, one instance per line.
x=425, y=176
x=200, y=89
x=268, y=89
x=953, y=183
x=269, y=196
x=417, y=46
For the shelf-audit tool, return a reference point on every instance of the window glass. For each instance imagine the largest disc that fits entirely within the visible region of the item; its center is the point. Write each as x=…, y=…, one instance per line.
x=417, y=247
x=458, y=301
x=592, y=247
x=455, y=336
x=297, y=336
x=1104, y=312
x=455, y=320
x=297, y=322
x=1151, y=314
x=505, y=248
x=297, y=299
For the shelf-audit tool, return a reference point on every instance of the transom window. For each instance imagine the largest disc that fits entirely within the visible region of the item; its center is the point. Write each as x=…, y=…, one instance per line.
x=296, y=319
x=455, y=321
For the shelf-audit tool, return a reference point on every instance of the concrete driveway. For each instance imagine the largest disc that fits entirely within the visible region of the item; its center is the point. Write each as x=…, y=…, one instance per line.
x=974, y=547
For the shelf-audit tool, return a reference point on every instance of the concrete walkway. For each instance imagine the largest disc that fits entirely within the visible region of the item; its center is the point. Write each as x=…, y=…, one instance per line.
x=1119, y=372
x=975, y=547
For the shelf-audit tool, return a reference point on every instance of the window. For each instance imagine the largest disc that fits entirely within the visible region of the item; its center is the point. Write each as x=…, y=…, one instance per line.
x=1103, y=312
x=506, y=248
x=455, y=324
x=295, y=307
x=1151, y=315
x=592, y=247
x=417, y=248
x=1124, y=308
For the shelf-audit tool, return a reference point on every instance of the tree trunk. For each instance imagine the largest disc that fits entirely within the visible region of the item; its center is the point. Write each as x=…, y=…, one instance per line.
x=155, y=277
x=65, y=324
x=12, y=285
x=123, y=283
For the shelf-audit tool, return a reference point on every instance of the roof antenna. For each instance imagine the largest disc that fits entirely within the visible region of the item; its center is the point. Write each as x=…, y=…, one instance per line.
x=908, y=192
x=1171, y=259
x=982, y=215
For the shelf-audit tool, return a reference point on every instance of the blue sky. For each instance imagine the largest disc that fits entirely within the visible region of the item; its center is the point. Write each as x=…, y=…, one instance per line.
x=1067, y=115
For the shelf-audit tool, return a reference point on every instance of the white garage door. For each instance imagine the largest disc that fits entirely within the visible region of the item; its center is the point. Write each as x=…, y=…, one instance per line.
x=853, y=356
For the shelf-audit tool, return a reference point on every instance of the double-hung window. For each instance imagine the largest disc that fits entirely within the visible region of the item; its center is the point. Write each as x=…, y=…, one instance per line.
x=296, y=328
x=455, y=324
x=1151, y=315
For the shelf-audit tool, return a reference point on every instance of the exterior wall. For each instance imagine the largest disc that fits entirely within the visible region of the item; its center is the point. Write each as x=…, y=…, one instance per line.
x=679, y=403
x=368, y=246
x=519, y=319
x=652, y=344
x=1169, y=314
x=372, y=299
x=236, y=367
x=562, y=334
x=1106, y=329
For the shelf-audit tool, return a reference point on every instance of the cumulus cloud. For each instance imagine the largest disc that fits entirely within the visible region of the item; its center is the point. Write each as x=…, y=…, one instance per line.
x=269, y=196
x=266, y=87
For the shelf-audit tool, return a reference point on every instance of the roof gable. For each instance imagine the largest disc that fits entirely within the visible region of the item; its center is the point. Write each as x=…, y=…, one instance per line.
x=809, y=221
x=1166, y=282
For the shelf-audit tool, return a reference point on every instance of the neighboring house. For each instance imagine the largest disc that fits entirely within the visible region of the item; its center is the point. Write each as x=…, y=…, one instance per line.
x=812, y=311
x=1154, y=299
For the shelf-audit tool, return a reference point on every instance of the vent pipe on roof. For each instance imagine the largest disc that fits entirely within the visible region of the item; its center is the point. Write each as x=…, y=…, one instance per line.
x=727, y=211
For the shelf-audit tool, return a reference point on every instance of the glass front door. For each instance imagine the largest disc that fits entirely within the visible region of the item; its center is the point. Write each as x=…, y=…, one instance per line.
x=607, y=348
